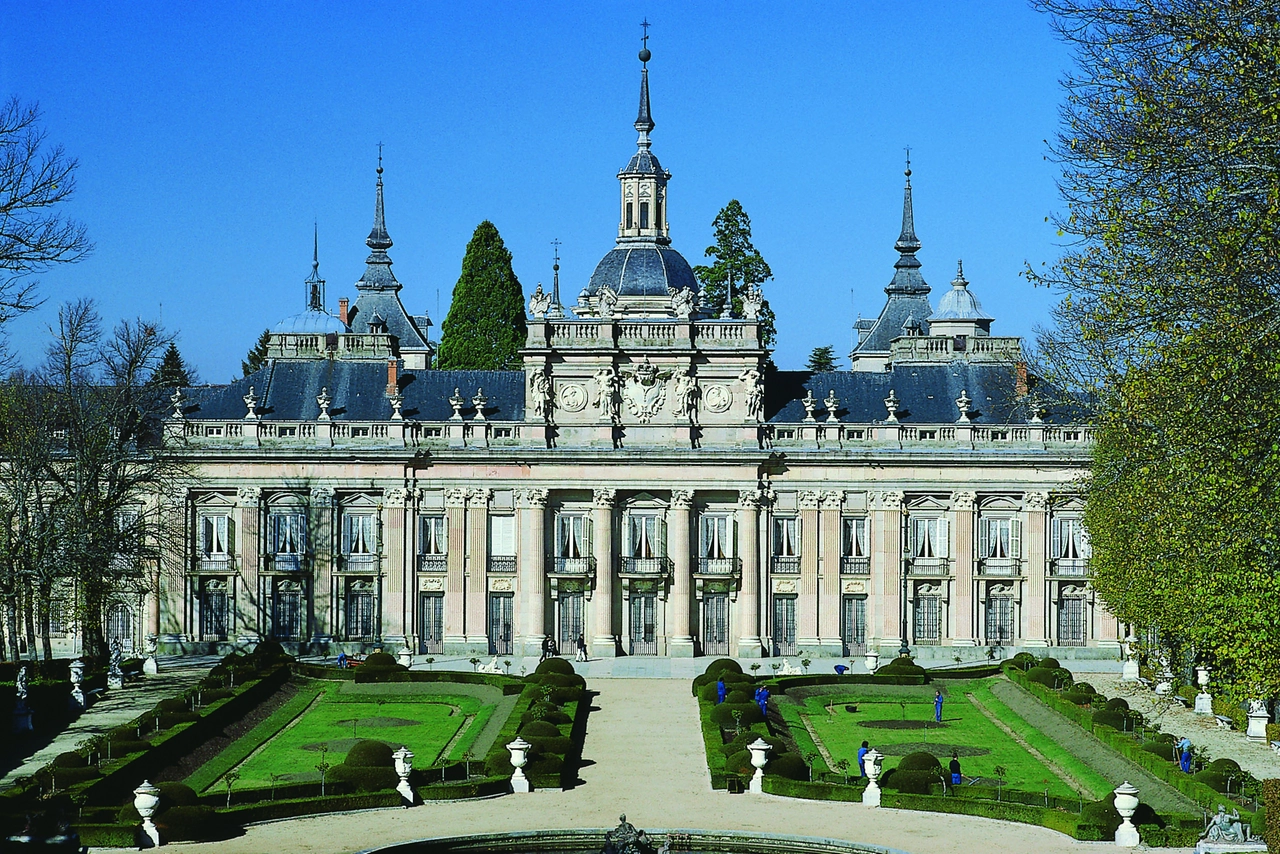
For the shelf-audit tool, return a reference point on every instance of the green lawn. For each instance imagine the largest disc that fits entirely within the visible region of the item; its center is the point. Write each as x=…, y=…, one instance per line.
x=965, y=726
x=289, y=743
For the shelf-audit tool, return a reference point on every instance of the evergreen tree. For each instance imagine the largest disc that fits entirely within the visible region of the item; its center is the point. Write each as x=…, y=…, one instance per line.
x=736, y=258
x=257, y=356
x=173, y=372
x=485, y=327
x=822, y=360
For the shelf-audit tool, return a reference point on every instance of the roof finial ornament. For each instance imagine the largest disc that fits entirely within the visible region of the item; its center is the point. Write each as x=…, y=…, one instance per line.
x=644, y=41
x=644, y=120
x=377, y=274
x=906, y=277
x=315, y=284
x=557, y=308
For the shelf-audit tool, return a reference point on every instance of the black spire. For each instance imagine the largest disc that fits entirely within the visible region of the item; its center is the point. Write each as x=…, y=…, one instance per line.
x=906, y=277
x=377, y=272
x=644, y=119
x=315, y=284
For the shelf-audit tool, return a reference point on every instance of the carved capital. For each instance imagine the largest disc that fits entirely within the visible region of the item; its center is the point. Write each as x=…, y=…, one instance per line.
x=831, y=500
x=964, y=500
x=248, y=496
x=479, y=496
x=396, y=496
x=1037, y=501
x=750, y=499
x=681, y=498
x=886, y=500
x=604, y=497
x=455, y=498
x=321, y=496
x=531, y=499
x=809, y=499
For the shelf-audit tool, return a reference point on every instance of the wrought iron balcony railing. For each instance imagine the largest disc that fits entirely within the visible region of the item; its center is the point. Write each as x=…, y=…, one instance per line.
x=361, y=563
x=852, y=565
x=573, y=565
x=502, y=563
x=1006, y=566
x=433, y=563
x=1069, y=567
x=788, y=564
x=928, y=566
x=644, y=566
x=718, y=565
x=286, y=562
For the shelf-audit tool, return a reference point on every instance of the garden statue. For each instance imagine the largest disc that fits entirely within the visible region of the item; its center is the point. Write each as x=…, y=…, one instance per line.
x=115, y=676
x=21, y=714
x=625, y=839
x=1126, y=801
x=21, y=686
x=149, y=665
x=1225, y=828
x=759, y=758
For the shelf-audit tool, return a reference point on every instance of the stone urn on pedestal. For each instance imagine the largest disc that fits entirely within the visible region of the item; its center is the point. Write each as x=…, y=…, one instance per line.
x=519, y=758
x=871, y=764
x=1259, y=717
x=1204, y=700
x=1126, y=805
x=759, y=758
x=403, y=759
x=405, y=656
x=145, y=800
x=78, y=700
x=149, y=665
x=872, y=660
x=1164, y=677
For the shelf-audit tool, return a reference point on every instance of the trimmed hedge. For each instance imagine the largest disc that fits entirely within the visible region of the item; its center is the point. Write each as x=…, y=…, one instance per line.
x=775, y=785
x=1271, y=797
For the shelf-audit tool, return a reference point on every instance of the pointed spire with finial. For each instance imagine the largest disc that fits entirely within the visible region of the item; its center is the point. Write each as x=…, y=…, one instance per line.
x=644, y=119
x=377, y=273
x=906, y=277
x=557, y=308
x=315, y=284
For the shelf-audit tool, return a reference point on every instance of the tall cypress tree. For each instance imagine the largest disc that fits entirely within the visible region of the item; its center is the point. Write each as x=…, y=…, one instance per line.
x=738, y=259
x=485, y=327
x=257, y=357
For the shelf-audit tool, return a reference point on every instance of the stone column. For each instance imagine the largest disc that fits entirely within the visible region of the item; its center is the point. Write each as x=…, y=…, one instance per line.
x=320, y=521
x=966, y=620
x=532, y=506
x=1035, y=594
x=250, y=607
x=748, y=604
x=476, y=622
x=455, y=636
x=886, y=569
x=680, y=551
x=807, y=601
x=829, y=640
x=603, y=640
x=397, y=574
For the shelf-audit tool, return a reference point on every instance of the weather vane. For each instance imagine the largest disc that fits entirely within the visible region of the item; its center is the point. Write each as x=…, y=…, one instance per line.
x=645, y=38
x=379, y=157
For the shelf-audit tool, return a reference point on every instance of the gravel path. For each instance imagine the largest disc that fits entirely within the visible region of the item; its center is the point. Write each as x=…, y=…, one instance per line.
x=1086, y=747
x=1258, y=759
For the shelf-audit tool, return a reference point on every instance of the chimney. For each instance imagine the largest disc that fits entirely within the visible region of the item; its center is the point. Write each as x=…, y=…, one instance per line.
x=393, y=381
x=1020, y=379
x=342, y=310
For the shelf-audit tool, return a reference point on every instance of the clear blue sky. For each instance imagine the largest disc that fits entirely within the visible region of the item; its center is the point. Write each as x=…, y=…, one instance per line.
x=211, y=136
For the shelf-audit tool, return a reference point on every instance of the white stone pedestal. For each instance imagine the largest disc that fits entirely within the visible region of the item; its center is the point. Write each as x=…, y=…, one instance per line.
x=759, y=758
x=1257, y=730
x=1129, y=673
x=1204, y=703
x=1126, y=801
x=871, y=764
x=519, y=750
x=149, y=666
x=115, y=681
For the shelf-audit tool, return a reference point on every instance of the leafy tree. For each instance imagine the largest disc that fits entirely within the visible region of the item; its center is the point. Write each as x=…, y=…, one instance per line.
x=257, y=356
x=738, y=260
x=485, y=327
x=822, y=360
x=172, y=372
x=1171, y=177
x=35, y=180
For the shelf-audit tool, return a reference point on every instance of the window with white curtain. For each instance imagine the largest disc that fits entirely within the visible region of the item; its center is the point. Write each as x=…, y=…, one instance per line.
x=853, y=538
x=929, y=538
x=288, y=532
x=786, y=536
x=1070, y=539
x=359, y=535
x=644, y=535
x=571, y=536
x=999, y=538
x=715, y=537
x=502, y=535
x=213, y=535
x=433, y=538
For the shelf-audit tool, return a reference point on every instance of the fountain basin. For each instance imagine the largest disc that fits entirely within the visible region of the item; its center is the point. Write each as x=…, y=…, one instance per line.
x=591, y=841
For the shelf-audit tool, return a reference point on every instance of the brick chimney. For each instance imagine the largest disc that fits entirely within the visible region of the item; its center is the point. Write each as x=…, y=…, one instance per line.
x=342, y=310
x=393, y=379
x=1020, y=379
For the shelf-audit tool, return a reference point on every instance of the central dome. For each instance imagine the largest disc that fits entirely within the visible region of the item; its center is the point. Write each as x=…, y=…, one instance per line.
x=646, y=270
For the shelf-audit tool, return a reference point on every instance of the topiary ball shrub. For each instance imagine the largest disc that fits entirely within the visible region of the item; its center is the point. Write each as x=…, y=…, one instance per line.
x=1083, y=688
x=213, y=695
x=193, y=824
x=788, y=765
x=555, y=665
x=379, y=659
x=540, y=729
x=741, y=741
x=740, y=695
x=364, y=779
x=723, y=714
x=1216, y=780
x=544, y=711
x=912, y=782
x=1080, y=698
x=123, y=746
x=1114, y=718
x=919, y=761
x=1224, y=766
x=1065, y=677
x=382, y=673
x=1159, y=748
x=1049, y=663
x=70, y=759
x=1103, y=814
x=739, y=763
x=1043, y=676
x=558, y=680
x=368, y=753
x=1117, y=704
x=1023, y=661
x=901, y=666
x=722, y=665
x=560, y=696
x=271, y=652
x=544, y=766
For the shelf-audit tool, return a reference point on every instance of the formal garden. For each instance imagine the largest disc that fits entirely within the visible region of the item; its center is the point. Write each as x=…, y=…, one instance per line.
x=1019, y=732
x=263, y=737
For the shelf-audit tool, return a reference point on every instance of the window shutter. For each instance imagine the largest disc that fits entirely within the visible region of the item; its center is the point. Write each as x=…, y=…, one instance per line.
x=1015, y=538
x=346, y=534
x=797, y=537
x=944, y=538
x=1055, y=548
x=860, y=537
x=912, y=538
x=730, y=546
x=704, y=535
x=984, y=538
x=588, y=532
x=660, y=532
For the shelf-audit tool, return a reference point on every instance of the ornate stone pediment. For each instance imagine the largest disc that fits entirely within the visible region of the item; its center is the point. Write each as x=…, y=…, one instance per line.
x=644, y=390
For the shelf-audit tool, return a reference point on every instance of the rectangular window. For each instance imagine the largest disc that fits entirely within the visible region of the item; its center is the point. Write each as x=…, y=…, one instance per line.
x=999, y=538
x=1073, y=626
x=288, y=533
x=853, y=540
x=213, y=535
x=358, y=534
x=930, y=538
x=502, y=535
x=644, y=536
x=644, y=214
x=715, y=538
x=433, y=537
x=786, y=537
x=502, y=432
x=360, y=432
x=1070, y=540
x=571, y=536
x=629, y=217
x=928, y=619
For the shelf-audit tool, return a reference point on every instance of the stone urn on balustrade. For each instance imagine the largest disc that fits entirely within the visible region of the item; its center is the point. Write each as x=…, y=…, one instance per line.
x=1126, y=804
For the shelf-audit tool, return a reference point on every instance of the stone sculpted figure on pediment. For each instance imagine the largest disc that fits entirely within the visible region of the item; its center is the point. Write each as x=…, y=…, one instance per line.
x=539, y=303
x=683, y=302
x=752, y=302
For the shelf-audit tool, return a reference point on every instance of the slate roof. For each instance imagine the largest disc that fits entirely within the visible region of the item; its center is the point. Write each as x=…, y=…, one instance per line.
x=286, y=391
x=897, y=308
x=927, y=395
x=644, y=162
x=643, y=270
x=387, y=306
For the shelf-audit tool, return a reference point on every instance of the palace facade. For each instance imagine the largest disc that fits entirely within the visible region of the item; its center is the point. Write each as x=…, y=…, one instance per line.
x=647, y=481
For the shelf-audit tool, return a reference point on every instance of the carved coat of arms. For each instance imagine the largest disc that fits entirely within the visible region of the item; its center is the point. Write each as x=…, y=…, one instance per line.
x=644, y=391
